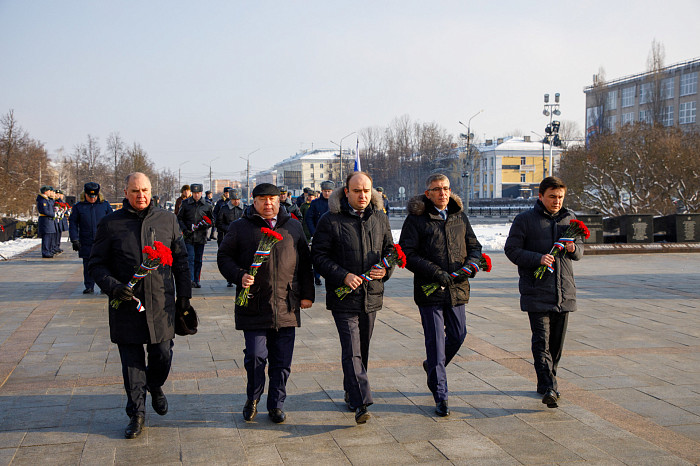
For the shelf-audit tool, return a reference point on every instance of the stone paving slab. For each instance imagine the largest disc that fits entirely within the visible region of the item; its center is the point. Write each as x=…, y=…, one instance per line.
x=629, y=377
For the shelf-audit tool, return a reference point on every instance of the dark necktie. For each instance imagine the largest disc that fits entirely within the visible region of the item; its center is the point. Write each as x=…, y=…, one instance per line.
x=269, y=222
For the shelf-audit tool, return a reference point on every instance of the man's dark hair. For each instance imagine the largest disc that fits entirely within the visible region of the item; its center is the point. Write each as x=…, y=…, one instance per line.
x=185, y=187
x=551, y=182
x=351, y=174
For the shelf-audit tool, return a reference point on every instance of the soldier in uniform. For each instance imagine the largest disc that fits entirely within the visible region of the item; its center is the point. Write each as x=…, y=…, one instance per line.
x=291, y=208
x=230, y=212
x=47, y=225
x=225, y=196
x=84, y=218
x=190, y=216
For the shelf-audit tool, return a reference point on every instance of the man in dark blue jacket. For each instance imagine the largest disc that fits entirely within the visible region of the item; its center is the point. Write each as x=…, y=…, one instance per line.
x=313, y=214
x=194, y=227
x=547, y=300
x=48, y=228
x=84, y=218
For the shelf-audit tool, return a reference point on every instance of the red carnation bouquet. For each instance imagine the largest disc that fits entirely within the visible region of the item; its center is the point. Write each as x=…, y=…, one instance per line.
x=395, y=257
x=157, y=255
x=60, y=209
x=204, y=223
x=269, y=239
x=576, y=228
x=467, y=270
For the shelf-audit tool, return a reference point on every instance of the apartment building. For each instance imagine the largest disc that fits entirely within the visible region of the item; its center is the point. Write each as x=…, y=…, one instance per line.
x=668, y=96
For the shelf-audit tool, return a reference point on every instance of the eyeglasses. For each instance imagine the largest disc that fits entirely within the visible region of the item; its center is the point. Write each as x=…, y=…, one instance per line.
x=440, y=188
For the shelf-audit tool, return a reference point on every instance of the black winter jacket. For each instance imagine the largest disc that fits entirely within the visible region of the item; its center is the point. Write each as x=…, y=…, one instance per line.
x=532, y=235
x=317, y=208
x=345, y=243
x=281, y=282
x=191, y=213
x=226, y=215
x=432, y=244
x=116, y=255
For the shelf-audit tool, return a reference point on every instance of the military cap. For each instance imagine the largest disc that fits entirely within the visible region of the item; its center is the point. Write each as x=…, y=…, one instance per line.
x=380, y=189
x=283, y=188
x=91, y=188
x=45, y=188
x=328, y=185
x=234, y=194
x=266, y=189
x=227, y=189
x=207, y=192
x=196, y=188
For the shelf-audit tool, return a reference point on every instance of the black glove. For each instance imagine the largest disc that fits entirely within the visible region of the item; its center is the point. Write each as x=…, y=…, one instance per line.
x=76, y=245
x=444, y=278
x=123, y=292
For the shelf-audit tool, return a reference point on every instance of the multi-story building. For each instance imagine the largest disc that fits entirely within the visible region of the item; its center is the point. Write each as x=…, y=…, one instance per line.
x=311, y=168
x=512, y=167
x=219, y=185
x=668, y=96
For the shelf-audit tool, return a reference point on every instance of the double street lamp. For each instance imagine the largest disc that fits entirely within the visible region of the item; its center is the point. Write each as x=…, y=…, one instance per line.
x=552, y=129
x=340, y=146
x=467, y=171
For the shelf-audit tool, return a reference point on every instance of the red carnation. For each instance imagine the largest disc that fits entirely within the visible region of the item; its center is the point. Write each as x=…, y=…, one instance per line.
x=206, y=219
x=487, y=259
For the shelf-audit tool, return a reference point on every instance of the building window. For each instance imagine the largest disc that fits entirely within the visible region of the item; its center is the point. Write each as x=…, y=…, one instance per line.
x=645, y=91
x=321, y=165
x=667, y=88
x=311, y=166
x=611, y=102
x=627, y=118
x=689, y=84
x=486, y=178
x=320, y=175
x=523, y=160
x=645, y=116
x=686, y=112
x=628, y=97
x=611, y=122
x=522, y=177
x=667, y=116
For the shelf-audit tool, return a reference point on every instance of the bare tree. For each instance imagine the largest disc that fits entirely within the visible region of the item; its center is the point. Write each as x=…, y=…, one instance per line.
x=116, y=149
x=654, y=86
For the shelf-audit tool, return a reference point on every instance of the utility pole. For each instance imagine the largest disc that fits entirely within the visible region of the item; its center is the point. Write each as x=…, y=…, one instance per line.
x=247, y=173
x=340, y=146
x=469, y=168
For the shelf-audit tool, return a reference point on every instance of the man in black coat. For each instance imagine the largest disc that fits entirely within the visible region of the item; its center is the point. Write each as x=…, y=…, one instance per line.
x=116, y=255
x=349, y=239
x=84, y=218
x=281, y=287
x=548, y=300
x=229, y=212
x=191, y=216
x=438, y=239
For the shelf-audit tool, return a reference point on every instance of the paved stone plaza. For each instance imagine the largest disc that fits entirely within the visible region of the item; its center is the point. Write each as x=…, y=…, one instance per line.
x=629, y=377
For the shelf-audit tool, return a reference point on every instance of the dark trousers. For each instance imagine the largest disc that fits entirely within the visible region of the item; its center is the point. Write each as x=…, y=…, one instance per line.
x=355, y=332
x=277, y=347
x=211, y=233
x=138, y=376
x=194, y=258
x=548, y=332
x=56, y=242
x=47, y=244
x=87, y=279
x=444, y=328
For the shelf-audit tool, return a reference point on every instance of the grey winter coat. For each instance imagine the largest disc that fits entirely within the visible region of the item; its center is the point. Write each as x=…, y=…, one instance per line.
x=432, y=244
x=345, y=243
x=531, y=236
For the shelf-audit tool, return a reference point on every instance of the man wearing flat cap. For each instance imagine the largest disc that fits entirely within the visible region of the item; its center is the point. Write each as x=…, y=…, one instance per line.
x=47, y=228
x=286, y=204
x=281, y=287
x=84, y=218
x=194, y=227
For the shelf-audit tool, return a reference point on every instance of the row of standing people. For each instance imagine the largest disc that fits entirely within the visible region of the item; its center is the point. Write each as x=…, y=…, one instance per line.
x=437, y=238
x=53, y=215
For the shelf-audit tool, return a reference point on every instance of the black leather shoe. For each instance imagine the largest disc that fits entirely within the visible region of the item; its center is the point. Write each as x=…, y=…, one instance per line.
x=50, y=256
x=277, y=415
x=427, y=374
x=347, y=402
x=159, y=402
x=135, y=426
x=550, y=398
x=88, y=291
x=441, y=408
x=250, y=410
x=318, y=281
x=361, y=414
x=196, y=285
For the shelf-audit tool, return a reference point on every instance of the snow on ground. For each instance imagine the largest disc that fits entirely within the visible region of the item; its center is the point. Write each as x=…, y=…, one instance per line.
x=10, y=249
x=491, y=236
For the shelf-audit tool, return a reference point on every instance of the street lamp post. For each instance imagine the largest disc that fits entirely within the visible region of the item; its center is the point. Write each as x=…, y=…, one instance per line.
x=550, y=110
x=340, y=146
x=468, y=160
x=179, y=172
x=247, y=174
x=209, y=164
x=544, y=166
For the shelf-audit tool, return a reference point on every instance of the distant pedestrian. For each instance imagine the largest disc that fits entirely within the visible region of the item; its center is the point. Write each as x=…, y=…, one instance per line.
x=84, y=218
x=281, y=287
x=225, y=197
x=549, y=300
x=194, y=228
x=438, y=239
x=230, y=212
x=317, y=208
x=47, y=226
x=285, y=203
x=352, y=237
x=310, y=197
x=116, y=254
x=184, y=194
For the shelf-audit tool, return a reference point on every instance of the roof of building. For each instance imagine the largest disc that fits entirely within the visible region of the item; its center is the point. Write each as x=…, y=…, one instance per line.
x=311, y=155
x=514, y=144
x=689, y=63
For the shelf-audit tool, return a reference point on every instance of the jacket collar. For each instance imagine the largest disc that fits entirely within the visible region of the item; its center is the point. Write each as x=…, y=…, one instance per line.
x=421, y=205
x=540, y=209
x=338, y=201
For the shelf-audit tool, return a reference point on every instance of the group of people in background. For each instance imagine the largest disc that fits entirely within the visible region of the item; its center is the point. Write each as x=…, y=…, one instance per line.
x=338, y=234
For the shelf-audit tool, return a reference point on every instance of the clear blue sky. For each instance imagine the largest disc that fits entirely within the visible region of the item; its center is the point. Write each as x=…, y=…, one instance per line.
x=209, y=80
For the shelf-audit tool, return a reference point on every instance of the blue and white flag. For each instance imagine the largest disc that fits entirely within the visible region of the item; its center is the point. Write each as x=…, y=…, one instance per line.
x=358, y=167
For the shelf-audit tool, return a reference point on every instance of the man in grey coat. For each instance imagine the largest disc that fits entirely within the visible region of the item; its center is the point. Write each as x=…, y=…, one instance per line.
x=547, y=300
